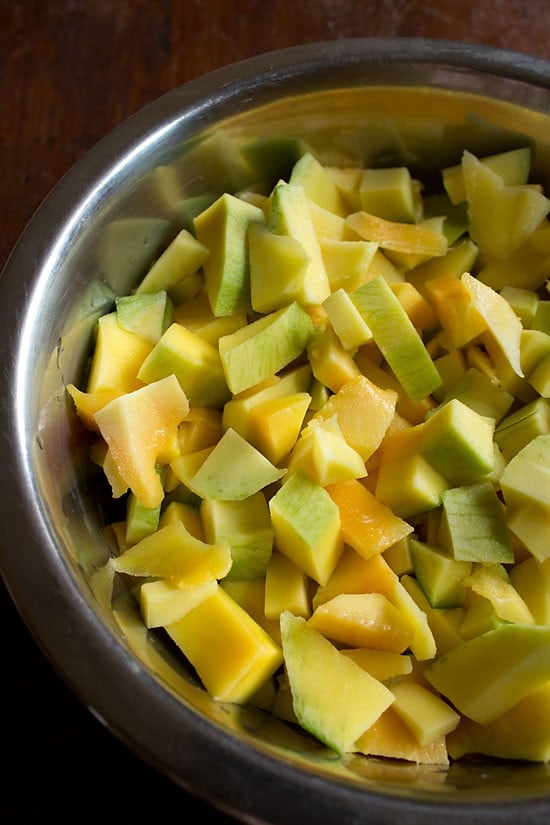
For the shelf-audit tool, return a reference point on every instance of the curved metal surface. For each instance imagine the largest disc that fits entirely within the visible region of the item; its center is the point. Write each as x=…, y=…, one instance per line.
x=92, y=239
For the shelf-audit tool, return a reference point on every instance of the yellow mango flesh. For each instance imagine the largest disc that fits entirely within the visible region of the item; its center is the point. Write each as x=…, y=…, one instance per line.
x=137, y=428
x=501, y=217
x=521, y=733
x=367, y=525
x=231, y=653
x=389, y=736
x=117, y=357
x=357, y=401
x=286, y=588
x=356, y=574
x=363, y=620
x=425, y=714
x=382, y=664
x=173, y=553
x=274, y=424
x=398, y=237
x=333, y=698
x=162, y=603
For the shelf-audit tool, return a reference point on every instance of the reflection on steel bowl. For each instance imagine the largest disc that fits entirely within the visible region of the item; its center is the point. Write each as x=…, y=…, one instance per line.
x=358, y=102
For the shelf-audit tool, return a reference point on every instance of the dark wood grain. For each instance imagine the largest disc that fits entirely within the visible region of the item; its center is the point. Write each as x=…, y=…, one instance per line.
x=69, y=72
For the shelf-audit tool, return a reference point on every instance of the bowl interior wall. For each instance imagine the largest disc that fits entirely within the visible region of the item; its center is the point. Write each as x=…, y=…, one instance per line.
x=112, y=232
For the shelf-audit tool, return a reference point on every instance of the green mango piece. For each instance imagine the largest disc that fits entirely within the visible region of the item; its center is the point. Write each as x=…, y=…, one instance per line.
x=397, y=338
x=332, y=696
x=472, y=526
x=233, y=470
x=262, y=348
x=489, y=674
x=222, y=228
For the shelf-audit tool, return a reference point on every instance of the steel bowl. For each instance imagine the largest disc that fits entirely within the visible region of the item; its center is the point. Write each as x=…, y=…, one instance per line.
x=416, y=102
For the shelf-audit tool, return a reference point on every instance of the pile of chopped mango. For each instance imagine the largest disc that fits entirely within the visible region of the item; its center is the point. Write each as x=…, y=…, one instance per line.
x=325, y=411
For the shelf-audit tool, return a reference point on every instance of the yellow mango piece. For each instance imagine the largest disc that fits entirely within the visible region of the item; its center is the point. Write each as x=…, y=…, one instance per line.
x=181, y=259
x=410, y=260
x=318, y=185
x=88, y=403
x=423, y=643
x=356, y=574
x=406, y=482
x=390, y=737
x=388, y=193
x=278, y=264
x=528, y=266
x=357, y=401
x=333, y=698
x=188, y=515
x=382, y=664
x=444, y=624
x=363, y=620
x=500, y=217
x=250, y=595
x=394, y=236
x=347, y=263
x=162, y=602
x=531, y=579
x=367, y=525
x=504, y=665
x=348, y=181
x=117, y=357
x=195, y=314
x=503, y=326
x=137, y=428
x=195, y=363
x=232, y=654
x=521, y=733
x=186, y=466
x=426, y=715
x=323, y=454
x=327, y=225
x=201, y=428
x=346, y=320
x=274, y=424
x=174, y=554
x=419, y=310
x=413, y=411
x=286, y=588
x=331, y=364
x=512, y=166
x=509, y=606
x=458, y=315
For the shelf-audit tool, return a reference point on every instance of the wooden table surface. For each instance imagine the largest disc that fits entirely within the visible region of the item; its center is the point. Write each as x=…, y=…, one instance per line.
x=69, y=72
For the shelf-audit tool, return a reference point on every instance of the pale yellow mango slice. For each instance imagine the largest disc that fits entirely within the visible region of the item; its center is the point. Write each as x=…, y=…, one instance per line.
x=500, y=217
x=357, y=401
x=174, y=554
x=363, y=620
x=426, y=715
x=137, y=428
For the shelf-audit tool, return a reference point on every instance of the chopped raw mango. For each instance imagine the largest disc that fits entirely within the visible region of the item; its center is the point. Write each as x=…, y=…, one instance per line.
x=325, y=411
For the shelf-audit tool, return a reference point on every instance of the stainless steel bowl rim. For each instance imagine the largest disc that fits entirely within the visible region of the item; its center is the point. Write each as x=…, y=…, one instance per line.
x=211, y=763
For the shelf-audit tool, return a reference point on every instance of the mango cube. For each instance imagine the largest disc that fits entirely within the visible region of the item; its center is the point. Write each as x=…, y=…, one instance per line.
x=231, y=653
x=307, y=526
